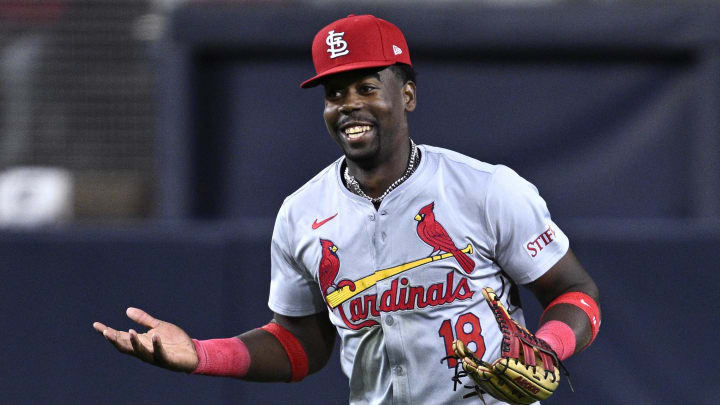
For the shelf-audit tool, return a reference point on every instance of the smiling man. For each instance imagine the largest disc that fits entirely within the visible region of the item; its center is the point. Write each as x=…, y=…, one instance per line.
x=365, y=112
x=410, y=253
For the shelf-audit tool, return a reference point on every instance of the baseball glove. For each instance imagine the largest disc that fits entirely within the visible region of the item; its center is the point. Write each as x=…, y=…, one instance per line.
x=527, y=370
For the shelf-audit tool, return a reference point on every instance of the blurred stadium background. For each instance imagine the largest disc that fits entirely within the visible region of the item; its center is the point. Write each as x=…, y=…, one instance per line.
x=78, y=95
x=145, y=146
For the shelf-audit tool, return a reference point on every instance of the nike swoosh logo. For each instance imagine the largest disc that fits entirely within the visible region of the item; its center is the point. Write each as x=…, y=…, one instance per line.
x=317, y=224
x=581, y=299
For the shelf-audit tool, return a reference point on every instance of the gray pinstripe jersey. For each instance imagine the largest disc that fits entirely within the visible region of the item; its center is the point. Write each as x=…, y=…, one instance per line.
x=397, y=280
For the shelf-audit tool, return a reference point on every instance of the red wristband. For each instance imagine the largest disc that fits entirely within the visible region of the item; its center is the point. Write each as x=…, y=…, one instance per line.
x=559, y=336
x=295, y=352
x=222, y=357
x=585, y=303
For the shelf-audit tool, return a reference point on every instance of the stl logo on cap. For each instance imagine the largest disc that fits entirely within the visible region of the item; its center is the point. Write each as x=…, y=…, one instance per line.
x=336, y=45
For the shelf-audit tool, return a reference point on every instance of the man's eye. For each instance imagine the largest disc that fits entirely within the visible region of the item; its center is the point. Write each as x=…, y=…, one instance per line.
x=333, y=95
x=367, y=89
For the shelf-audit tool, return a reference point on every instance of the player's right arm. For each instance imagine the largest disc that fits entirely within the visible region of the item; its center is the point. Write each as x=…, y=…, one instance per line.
x=269, y=360
x=166, y=345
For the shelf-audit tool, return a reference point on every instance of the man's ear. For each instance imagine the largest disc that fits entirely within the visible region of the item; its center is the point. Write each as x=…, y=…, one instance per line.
x=409, y=91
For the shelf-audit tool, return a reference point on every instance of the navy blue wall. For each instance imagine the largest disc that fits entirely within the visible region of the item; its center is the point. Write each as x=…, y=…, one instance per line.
x=210, y=279
x=611, y=111
x=658, y=283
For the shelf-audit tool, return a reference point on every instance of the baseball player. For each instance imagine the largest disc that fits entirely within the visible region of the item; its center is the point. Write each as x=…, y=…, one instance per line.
x=410, y=253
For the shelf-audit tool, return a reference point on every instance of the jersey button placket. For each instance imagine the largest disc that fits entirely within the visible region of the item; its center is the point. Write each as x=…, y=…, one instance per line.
x=383, y=234
x=392, y=323
x=372, y=229
x=394, y=347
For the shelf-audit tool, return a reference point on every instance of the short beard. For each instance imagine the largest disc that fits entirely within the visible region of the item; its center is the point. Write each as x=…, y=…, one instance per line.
x=365, y=162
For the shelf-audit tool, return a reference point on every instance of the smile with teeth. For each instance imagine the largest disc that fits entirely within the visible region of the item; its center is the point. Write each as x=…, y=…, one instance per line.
x=356, y=131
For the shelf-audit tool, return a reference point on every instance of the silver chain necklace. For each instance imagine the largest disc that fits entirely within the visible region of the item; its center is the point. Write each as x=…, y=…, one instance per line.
x=354, y=186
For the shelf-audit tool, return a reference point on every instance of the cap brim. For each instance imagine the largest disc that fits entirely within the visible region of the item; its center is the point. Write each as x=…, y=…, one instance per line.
x=314, y=81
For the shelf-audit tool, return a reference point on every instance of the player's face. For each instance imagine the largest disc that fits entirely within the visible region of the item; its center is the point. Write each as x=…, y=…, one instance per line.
x=365, y=112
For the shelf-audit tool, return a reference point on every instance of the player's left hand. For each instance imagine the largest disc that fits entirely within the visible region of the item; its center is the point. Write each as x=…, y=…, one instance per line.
x=527, y=370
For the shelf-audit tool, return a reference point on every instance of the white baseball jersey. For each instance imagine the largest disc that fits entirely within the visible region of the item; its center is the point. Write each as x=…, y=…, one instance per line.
x=403, y=281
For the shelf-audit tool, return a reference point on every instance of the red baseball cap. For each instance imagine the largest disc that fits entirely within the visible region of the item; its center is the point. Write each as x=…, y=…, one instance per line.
x=356, y=42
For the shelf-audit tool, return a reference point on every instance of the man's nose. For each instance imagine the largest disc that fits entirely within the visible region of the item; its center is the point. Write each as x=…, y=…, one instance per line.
x=351, y=102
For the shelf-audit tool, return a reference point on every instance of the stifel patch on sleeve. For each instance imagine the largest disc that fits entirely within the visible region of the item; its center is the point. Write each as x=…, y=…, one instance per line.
x=535, y=245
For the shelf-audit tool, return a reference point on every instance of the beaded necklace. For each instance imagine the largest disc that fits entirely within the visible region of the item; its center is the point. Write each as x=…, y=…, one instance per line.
x=354, y=186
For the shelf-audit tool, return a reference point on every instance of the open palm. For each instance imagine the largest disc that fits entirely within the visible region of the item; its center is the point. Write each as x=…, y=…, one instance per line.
x=164, y=344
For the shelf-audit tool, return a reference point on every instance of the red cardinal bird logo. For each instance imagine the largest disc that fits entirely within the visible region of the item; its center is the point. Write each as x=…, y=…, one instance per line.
x=329, y=265
x=433, y=233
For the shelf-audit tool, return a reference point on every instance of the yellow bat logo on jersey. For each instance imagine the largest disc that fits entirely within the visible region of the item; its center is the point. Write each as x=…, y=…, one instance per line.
x=349, y=289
